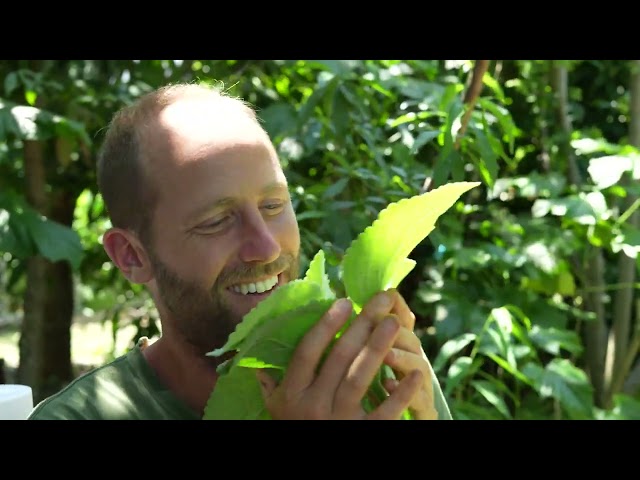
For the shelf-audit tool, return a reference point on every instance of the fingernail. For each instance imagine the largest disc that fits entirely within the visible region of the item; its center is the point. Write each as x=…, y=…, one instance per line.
x=342, y=306
x=383, y=301
x=390, y=323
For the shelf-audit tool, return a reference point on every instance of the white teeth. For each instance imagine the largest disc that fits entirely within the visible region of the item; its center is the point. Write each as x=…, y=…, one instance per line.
x=258, y=287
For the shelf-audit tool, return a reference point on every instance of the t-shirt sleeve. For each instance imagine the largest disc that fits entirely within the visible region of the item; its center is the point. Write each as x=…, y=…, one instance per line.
x=55, y=408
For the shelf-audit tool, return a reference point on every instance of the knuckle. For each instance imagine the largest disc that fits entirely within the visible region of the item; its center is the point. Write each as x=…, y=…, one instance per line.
x=378, y=347
x=326, y=329
x=303, y=354
x=342, y=352
x=354, y=383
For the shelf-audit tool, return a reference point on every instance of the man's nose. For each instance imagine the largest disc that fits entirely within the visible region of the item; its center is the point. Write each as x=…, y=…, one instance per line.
x=259, y=244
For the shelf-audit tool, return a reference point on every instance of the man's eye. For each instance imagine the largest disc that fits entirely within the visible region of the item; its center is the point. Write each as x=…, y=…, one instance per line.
x=215, y=223
x=272, y=206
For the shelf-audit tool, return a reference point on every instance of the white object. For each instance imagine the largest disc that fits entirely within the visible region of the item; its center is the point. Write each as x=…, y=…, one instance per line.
x=16, y=402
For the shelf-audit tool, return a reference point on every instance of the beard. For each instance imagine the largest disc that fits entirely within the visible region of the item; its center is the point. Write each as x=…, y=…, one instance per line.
x=204, y=317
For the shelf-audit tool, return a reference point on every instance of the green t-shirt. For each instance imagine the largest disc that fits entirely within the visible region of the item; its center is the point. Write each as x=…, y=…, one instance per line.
x=125, y=389
x=128, y=389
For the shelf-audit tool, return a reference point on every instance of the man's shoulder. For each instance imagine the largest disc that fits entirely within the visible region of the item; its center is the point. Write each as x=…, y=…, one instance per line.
x=84, y=397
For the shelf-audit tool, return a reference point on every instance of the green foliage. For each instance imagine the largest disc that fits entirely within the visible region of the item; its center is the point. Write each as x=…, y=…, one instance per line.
x=24, y=232
x=355, y=136
x=375, y=261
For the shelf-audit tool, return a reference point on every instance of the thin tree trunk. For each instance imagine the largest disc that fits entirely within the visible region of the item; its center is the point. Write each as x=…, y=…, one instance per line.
x=622, y=308
x=45, y=348
x=560, y=83
x=595, y=331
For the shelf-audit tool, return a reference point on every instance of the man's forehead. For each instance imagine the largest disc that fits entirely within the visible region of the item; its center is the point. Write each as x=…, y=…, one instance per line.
x=194, y=114
x=195, y=127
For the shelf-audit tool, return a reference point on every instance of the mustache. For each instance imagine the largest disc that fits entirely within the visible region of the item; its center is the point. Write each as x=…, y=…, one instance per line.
x=246, y=273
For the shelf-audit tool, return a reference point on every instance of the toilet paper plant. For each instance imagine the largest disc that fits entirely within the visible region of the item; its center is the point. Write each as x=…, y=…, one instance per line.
x=268, y=335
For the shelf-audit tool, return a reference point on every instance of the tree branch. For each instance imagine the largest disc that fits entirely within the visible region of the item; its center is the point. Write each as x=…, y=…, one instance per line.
x=471, y=96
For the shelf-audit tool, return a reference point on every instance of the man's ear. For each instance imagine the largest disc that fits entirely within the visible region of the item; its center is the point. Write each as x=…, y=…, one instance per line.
x=128, y=254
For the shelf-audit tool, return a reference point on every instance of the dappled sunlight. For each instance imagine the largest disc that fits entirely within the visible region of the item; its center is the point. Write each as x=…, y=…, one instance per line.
x=91, y=344
x=520, y=291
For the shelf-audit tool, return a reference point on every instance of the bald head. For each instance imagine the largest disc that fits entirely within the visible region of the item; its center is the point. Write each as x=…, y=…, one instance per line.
x=194, y=127
x=146, y=131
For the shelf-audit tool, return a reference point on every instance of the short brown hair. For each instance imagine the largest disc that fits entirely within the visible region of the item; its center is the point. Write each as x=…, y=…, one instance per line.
x=129, y=196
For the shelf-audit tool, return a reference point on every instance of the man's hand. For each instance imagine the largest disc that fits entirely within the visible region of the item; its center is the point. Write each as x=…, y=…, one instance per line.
x=407, y=356
x=336, y=389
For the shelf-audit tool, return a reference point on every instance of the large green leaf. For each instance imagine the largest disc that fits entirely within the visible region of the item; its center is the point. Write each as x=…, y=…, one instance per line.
x=14, y=235
x=274, y=342
x=562, y=380
x=452, y=347
x=376, y=260
x=269, y=334
x=295, y=294
x=31, y=123
x=24, y=232
x=553, y=340
x=245, y=402
x=460, y=369
x=492, y=395
x=54, y=240
x=267, y=338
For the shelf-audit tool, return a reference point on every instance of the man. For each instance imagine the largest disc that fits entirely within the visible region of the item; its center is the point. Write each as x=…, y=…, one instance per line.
x=202, y=216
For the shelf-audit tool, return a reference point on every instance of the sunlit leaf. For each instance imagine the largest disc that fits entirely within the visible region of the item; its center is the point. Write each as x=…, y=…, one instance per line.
x=584, y=208
x=269, y=333
x=588, y=146
x=371, y=260
x=607, y=171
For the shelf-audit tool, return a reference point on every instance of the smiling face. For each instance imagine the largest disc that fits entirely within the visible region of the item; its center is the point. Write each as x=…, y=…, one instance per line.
x=224, y=234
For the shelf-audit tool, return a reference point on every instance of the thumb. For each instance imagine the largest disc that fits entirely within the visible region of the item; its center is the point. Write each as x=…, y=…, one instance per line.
x=267, y=383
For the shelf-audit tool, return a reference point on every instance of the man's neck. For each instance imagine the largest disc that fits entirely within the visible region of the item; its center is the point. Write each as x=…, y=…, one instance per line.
x=188, y=373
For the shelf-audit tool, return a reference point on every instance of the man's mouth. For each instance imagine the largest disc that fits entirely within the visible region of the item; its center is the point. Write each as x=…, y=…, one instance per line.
x=258, y=287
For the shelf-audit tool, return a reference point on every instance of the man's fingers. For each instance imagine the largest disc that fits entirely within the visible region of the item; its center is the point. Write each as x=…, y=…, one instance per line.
x=404, y=361
x=307, y=355
x=267, y=383
x=422, y=406
x=365, y=366
x=402, y=310
x=379, y=306
x=390, y=384
x=399, y=399
x=342, y=355
x=408, y=341
x=389, y=301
